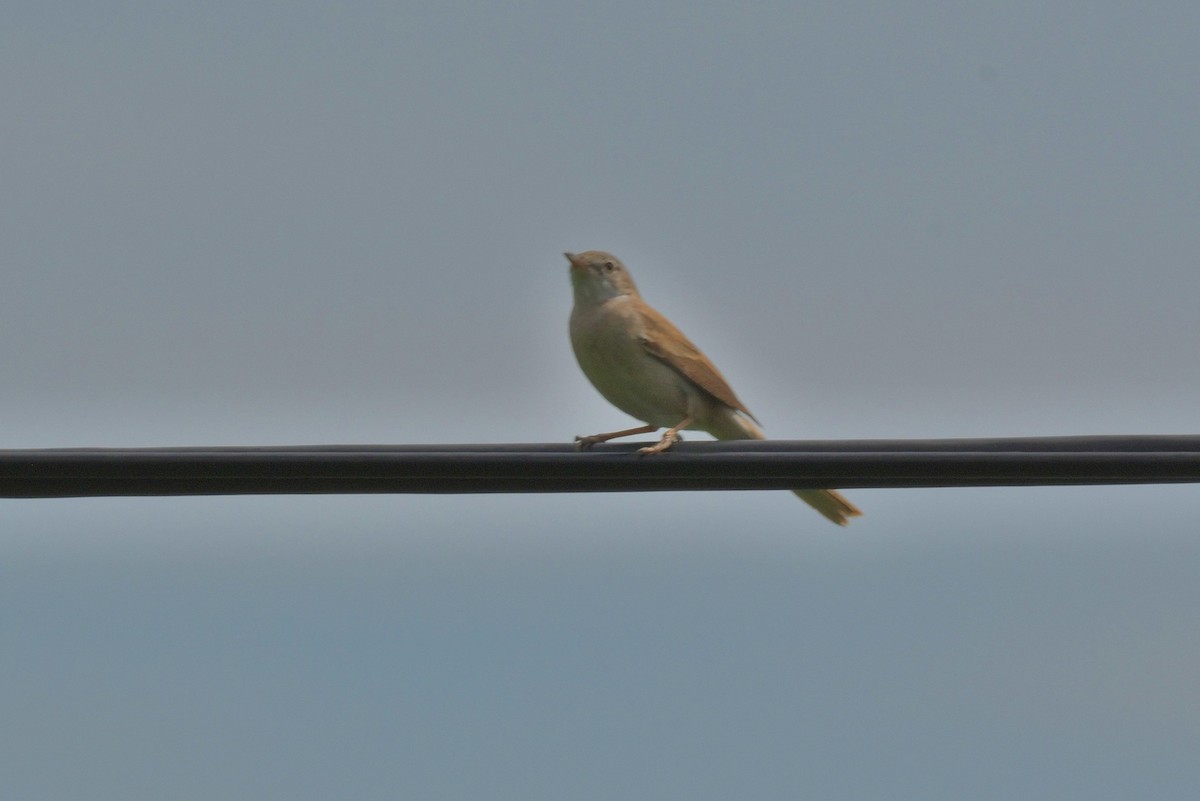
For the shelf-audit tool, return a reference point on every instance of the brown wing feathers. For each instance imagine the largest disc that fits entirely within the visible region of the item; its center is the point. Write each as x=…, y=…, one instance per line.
x=664, y=341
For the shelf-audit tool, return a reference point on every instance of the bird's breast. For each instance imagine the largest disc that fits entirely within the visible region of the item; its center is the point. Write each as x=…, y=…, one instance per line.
x=607, y=345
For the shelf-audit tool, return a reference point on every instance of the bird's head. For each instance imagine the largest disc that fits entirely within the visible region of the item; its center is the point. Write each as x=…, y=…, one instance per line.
x=598, y=276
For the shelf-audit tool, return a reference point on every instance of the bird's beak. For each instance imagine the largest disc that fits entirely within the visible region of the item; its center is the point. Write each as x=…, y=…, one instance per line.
x=571, y=257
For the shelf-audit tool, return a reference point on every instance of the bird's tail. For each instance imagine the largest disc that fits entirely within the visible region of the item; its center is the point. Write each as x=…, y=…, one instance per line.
x=830, y=503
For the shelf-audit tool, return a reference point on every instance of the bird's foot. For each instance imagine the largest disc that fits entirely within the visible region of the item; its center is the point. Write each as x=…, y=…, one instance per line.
x=668, y=439
x=583, y=443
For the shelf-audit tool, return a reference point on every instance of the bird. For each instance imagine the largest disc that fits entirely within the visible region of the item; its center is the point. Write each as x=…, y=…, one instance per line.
x=642, y=364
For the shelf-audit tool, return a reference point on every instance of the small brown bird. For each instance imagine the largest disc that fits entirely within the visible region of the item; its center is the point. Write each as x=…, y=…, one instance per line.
x=647, y=368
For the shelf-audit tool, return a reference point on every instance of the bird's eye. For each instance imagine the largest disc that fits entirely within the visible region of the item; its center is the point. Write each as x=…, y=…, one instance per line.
x=609, y=266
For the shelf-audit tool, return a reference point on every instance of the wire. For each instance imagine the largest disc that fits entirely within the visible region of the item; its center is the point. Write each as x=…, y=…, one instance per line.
x=728, y=465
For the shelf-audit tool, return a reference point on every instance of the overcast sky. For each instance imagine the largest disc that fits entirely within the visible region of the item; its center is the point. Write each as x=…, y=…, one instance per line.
x=293, y=222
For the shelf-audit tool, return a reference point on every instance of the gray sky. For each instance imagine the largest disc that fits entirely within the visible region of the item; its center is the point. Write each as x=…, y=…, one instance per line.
x=288, y=223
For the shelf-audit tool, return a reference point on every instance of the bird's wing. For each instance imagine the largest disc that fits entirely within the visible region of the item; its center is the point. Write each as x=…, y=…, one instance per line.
x=665, y=342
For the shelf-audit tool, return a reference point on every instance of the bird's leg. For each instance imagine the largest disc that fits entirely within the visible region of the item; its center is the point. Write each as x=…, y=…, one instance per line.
x=669, y=438
x=583, y=443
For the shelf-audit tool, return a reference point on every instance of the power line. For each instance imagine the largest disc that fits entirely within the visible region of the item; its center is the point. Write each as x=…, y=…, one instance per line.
x=512, y=468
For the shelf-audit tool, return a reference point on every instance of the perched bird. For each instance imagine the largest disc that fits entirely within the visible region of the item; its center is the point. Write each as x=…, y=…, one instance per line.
x=647, y=368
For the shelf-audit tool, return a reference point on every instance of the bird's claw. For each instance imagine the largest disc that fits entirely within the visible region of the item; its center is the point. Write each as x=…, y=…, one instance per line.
x=669, y=439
